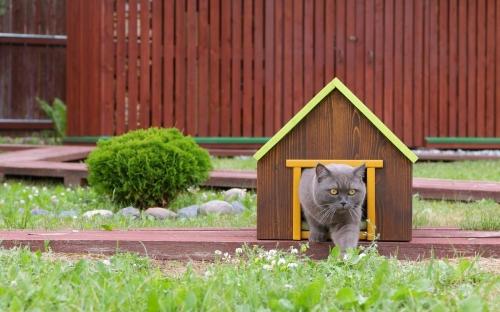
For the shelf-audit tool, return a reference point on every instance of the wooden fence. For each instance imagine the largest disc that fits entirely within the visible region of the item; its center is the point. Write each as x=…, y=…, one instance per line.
x=243, y=68
x=32, y=60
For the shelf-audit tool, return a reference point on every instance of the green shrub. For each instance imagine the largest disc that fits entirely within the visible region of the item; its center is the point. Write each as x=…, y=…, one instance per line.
x=147, y=168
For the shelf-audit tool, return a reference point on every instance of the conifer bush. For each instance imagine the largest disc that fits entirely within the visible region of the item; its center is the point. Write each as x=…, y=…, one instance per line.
x=147, y=168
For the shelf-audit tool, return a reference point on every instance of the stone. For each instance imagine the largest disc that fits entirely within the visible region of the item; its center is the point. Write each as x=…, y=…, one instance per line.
x=68, y=214
x=160, y=213
x=237, y=207
x=40, y=212
x=234, y=193
x=130, y=212
x=188, y=212
x=98, y=212
x=216, y=206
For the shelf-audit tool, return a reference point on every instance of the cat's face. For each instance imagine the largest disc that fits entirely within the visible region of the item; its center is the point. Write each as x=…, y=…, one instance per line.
x=339, y=187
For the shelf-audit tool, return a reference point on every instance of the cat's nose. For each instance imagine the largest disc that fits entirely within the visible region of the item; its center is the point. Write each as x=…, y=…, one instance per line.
x=343, y=203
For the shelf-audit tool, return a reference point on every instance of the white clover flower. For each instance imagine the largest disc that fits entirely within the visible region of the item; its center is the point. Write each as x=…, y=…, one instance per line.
x=218, y=252
x=5, y=184
x=2, y=202
x=106, y=262
x=273, y=262
x=292, y=265
x=54, y=199
x=62, y=194
x=361, y=256
x=238, y=251
x=44, y=188
x=281, y=261
x=208, y=273
x=30, y=197
x=13, y=283
x=294, y=250
x=267, y=267
x=288, y=286
x=272, y=252
x=22, y=202
x=68, y=190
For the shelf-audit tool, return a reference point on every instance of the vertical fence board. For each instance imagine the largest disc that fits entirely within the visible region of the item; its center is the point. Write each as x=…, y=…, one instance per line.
x=298, y=60
x=156, y=46
x=471, y=68
x=225, y=69
x=398, y=103
x=433, y=117
x=215, y=49
x=443, y=68
x=481, y=70
x=120, y=67
x=269, y=68
x=236, y=68
x=379, y=59
x=145, y=51
x=287, y=63
x=247, y=83
x=388, y=105
x=168, y=63
x=490, y=70
x=319, y=45
x=340, y=40
x=453, y=68
x=258, y=83
x=462, y=69
x=278, y=65
x=329, y=40
x=107, y=54
x=418, y=96
x=308, y=51
x=132, y=65
x=408, y=73
x=203, y=69
x=191, y=69
x=369, y=54
x=350, y=49
x=359, y=86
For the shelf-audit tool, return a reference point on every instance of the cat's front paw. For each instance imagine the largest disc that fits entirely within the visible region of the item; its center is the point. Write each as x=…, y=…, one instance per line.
x=317, y=237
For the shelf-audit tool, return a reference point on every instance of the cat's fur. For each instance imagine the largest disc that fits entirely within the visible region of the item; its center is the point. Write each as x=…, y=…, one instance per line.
x=337, y=217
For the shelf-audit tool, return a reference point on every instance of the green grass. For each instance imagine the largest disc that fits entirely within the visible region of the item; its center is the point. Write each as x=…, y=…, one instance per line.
x=15, y=195
x=38, y=138
x=234, y=163
x=254, y=280
x=479, y=215
x=488, y=170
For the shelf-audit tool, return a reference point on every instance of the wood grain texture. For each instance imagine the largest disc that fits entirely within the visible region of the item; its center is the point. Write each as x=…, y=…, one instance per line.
x=355, y=138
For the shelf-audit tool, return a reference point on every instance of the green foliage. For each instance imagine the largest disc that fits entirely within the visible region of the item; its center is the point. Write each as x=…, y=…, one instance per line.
x=250, y=280
x=57, y=113
x=147, y=168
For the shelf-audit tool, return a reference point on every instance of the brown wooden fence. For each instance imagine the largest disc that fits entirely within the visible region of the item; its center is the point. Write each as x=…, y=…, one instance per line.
x=243, y=68
x=32, y=60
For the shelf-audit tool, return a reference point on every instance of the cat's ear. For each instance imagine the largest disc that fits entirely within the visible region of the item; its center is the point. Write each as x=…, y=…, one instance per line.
x=321, y=172
x=359, y=172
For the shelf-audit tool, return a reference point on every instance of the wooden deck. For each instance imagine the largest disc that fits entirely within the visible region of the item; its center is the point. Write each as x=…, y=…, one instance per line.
x=54, y=161
x=200, y=244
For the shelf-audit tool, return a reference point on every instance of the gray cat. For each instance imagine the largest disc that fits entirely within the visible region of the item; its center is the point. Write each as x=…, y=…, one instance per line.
x=332, y=198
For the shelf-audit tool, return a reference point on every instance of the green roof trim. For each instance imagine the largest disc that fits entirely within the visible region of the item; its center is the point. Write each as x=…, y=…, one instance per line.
x=332, y=85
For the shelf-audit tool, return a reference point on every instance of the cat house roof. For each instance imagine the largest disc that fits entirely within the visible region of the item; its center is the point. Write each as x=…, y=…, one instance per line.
x=318, y=98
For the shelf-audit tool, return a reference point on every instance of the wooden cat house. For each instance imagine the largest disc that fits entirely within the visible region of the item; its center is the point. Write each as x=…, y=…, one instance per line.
x=335, y=127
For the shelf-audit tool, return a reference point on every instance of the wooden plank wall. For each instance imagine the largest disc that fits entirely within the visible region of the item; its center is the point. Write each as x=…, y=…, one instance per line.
x=31, y=68
x=244, y=67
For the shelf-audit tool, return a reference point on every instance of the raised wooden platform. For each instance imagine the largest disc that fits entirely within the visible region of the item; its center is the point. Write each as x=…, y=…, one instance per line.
x=200, y=244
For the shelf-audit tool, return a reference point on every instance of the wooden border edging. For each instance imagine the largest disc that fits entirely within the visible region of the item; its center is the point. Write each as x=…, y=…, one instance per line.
x=200, y=244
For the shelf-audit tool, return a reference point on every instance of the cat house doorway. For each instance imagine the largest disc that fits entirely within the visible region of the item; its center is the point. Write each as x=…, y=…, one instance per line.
x=298, y=165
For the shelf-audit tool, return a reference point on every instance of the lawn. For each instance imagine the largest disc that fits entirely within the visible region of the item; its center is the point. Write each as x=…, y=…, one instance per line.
x=250, y=280
x=459, y=170
x=18, y=198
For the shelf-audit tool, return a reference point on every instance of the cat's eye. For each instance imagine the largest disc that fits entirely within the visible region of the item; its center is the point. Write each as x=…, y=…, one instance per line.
x=334, y=191
x=351, y=192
